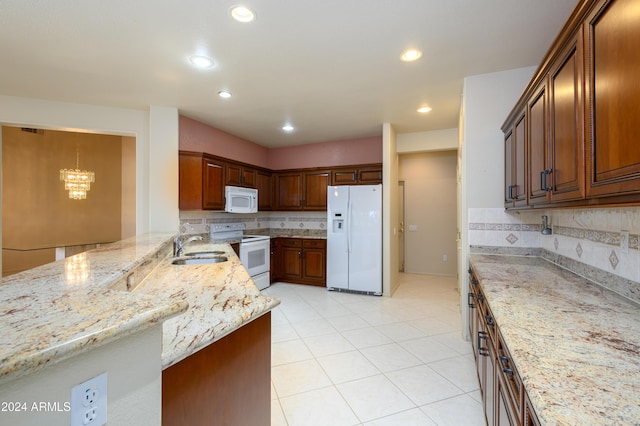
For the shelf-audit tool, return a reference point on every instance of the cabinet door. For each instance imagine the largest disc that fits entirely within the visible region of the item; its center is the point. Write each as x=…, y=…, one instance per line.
x=249, y=177
x=275, y=259
x=238, y=175
x=530, y=418
x=233, y=175
x=504, y=415
x=566, y=142
x=289, y=191
x=537, y=147
x=190, y=181
x=314, y=263
x=213, y=185
x=509, y=168
x=613, y=98
x=291, y=262
x=265, y=190
x=370, y=175
x=315, y=190
x=344, y=177
x=519, y=145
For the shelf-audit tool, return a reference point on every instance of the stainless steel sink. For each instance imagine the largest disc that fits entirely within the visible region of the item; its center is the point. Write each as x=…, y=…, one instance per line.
x=204, y=253
x=199, y=260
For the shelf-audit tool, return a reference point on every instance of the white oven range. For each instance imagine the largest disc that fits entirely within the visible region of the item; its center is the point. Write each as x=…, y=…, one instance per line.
x=255, y=250
x=255, y=255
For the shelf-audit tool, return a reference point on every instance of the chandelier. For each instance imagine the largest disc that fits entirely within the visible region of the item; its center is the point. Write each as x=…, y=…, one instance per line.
x=77, y=181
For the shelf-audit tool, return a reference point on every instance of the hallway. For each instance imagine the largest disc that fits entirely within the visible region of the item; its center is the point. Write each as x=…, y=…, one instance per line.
x=345, y=359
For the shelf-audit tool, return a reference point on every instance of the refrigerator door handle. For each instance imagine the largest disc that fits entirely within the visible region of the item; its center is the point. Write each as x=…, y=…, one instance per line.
x=349, y=226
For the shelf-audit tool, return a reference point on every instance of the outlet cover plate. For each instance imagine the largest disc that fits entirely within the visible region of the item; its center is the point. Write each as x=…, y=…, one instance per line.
x=89, y=402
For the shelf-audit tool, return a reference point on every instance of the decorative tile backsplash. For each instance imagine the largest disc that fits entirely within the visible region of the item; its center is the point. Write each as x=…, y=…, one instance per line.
x=594, y=237
x=273, y=223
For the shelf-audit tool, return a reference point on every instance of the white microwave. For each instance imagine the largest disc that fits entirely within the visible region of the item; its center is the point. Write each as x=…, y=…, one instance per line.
x=240, y=200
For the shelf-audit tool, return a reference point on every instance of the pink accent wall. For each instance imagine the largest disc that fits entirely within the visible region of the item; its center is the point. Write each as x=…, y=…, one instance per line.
x=200, y=137
x=327, y=154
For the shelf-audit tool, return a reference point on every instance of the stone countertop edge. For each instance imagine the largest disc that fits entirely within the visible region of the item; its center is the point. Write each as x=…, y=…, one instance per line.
x=222, y=297
x=47, y=317
x=575, y=344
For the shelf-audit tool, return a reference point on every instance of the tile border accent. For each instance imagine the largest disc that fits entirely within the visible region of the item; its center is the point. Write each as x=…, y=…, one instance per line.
x=602, y=237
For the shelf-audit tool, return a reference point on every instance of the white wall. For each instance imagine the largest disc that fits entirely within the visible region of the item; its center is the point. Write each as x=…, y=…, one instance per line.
x=487, y=99
x=134, y=386
x=163, y=175
x=390, y=211
x=157, y=132
x=435, y=140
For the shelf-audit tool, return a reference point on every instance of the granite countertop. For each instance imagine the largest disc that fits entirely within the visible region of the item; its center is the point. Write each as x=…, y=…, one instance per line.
x=222, y=297
x=58, y=310
x=575, y=344
x=49, y=314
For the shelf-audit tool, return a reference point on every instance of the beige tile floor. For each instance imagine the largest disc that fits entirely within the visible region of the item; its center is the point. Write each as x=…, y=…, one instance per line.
x=345, y=359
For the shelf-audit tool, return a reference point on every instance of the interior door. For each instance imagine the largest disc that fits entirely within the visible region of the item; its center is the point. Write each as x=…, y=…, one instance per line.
x=401, y=228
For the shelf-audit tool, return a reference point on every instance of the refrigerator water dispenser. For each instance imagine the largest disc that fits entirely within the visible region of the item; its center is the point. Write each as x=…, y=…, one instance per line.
x=338, y=223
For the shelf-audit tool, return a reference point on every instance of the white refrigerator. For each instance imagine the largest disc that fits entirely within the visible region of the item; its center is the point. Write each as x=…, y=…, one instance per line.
x=354, y=239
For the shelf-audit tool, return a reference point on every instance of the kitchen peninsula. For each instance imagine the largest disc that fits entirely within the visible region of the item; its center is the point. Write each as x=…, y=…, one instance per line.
x=59, y=329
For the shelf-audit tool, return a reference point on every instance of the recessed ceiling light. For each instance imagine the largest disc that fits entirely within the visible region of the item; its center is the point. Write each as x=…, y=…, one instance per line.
x=424, y=109
x=224, y=94
x=288, y=128
x=411, y=55
x=242, y=14
x=201, y=61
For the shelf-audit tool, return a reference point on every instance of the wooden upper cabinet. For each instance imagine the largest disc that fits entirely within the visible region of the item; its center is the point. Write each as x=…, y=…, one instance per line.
x=288, y=191
x=566, y=124
x=370, y=174
x=613, y=98
x=508, y=169
x=264, y=184
x=302, y=190
x=213, y=187
x=519, y=146
x=538, y=173
x=515, y=160
x=201, y=184
x=238, y=175
x=315, y=189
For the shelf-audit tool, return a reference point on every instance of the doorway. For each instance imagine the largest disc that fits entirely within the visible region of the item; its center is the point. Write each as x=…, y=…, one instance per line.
x=40, y=222
x=401, y=230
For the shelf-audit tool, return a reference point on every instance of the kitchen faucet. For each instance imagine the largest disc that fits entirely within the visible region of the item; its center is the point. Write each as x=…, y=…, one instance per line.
x=178, y=246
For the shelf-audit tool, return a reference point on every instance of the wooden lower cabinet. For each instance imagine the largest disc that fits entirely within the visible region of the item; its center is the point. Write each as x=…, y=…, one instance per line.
x=226, y=383
x=530, y=418
x=503, y=394
x=299, y=260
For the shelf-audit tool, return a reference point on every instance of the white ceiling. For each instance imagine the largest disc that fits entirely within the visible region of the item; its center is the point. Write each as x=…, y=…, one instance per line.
x=329, y=67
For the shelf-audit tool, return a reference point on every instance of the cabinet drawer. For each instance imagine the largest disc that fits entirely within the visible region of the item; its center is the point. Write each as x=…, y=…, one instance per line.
x=290, y=242
x=313, y=243
x=513, y=383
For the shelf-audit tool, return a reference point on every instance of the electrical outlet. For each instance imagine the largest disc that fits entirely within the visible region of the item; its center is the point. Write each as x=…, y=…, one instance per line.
x=445, y=257
x=89, y=402
x=624, y=241
x=90, y=416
